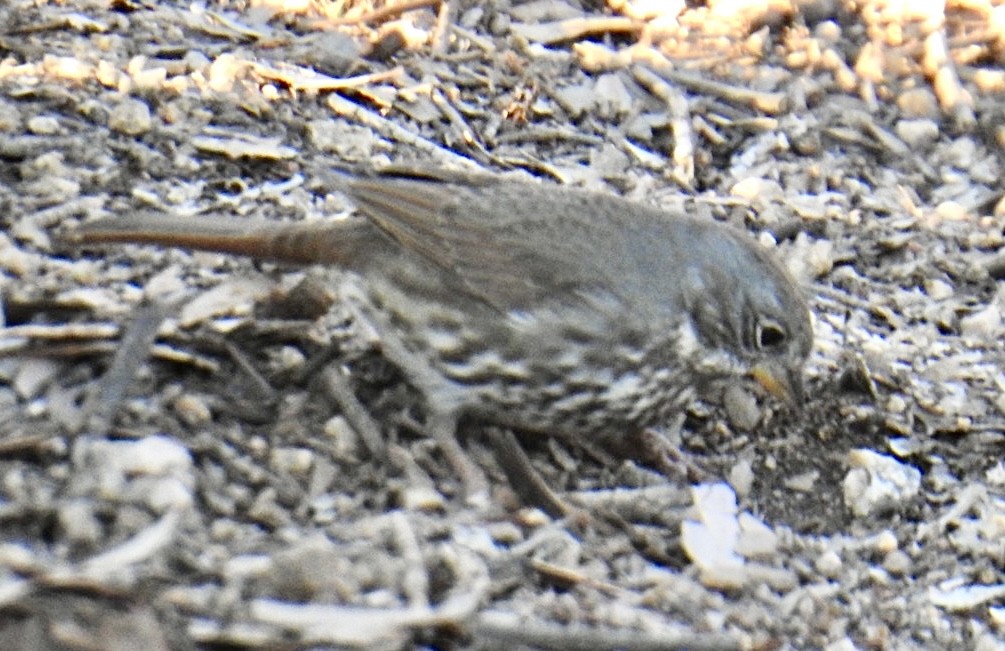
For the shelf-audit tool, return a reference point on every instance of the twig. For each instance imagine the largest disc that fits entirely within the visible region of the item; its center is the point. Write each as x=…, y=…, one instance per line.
x=514, y=630
x=953, y=97
x=385, y=13
x=444, y=18
x=262, y=388
x=362, y=422
x=770, y=103
x=680, y=123
x=133, y=351
x=522, y=476
x=574, y=29
x=389, y=129
x=548, y=134
x=304, y=79
x=61, y=331
x=483, y=44
x=464, y=131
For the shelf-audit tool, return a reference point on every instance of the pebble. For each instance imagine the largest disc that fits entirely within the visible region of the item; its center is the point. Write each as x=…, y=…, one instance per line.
x=829, y=564
x=130, y=117
x=897, y=563
x=43, y=125
x=878, y=483
x=292, y=460
x=938, y=289
x=192, y=410
x=918, y=103
x=985, y=324
x=919, y=133
x=741, y=408
x=754, y=188
x=741, y=478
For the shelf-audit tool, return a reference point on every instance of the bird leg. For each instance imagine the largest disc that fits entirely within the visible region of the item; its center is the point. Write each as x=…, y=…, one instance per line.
x=442, y=427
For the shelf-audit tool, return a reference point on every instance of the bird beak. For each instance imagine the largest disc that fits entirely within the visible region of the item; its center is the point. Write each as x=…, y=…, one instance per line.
x=780, y=381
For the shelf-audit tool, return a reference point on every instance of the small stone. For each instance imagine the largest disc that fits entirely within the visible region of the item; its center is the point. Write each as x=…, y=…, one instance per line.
x=938, y=289
x=844, y=644
x=828, y=31
x=951, y=210
x=829, y=564
x=131, y=118
x=153, y=455
x=999, y=209
x=754, y=188
x=918, y=103
x=741, y=408
x=504, y=533
x=611, y=97
x=291, y=359
x=741, y=478
x=192, y=410
x=421, y=498
x=33, y=375
x=878, y=483
x=918, y=134
x=896, y=404
x=897, y=563
x=804, y=483
x=886, y=542
x=78, y=523
x=292, y=460
x=757, y=540
x=43, y=125
x=345, y=439
x=820, y=258
x=983, y=325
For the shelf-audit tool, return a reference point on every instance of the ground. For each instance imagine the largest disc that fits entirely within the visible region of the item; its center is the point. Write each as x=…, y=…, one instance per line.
x=183, y=461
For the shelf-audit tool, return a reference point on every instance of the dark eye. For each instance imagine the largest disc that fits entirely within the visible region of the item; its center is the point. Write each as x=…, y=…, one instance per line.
x=769, y=335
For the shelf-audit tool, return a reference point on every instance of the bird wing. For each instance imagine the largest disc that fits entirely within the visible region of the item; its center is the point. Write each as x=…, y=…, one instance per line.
x=513, y=245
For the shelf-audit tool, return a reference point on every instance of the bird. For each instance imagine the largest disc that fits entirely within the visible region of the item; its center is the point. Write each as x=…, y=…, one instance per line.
x=534, y=306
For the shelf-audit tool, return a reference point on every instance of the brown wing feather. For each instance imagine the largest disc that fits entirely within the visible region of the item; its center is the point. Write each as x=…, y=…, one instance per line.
x=505, y=242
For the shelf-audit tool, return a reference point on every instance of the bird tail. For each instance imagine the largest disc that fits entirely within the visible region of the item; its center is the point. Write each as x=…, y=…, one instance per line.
x=298, y=243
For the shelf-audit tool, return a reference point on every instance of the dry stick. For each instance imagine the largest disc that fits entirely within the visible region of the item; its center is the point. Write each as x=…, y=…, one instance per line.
x=61, y=331
x=573, y=29
x=99, y=406
x=545, y=134
x=680, y=123
x=522, y=477
x=355, y=413
x=483, y=44
x=167, y=353
x=938, y=66
x=307, y=80
x=572, y=576
x=389, y=129
x=460, y=125
x=444, y=18
x=770, y=103
x=263, y=390
x=515, y=630
x=384, y=13
x=415, y=585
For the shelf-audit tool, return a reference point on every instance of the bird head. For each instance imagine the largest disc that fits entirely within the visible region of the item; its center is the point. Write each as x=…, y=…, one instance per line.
x=749, y=317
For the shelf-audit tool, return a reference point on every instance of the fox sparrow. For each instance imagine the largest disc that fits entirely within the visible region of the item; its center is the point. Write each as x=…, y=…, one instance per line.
x=532, y=306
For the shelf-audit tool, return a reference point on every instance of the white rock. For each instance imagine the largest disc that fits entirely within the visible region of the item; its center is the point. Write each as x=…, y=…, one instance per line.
x=985, y=324
x=878, y=483
x=710, y=540
x=938, y=289
x=918, y=134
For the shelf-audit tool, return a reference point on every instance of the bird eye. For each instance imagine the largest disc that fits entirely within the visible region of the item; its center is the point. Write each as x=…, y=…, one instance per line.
x=769, y=335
